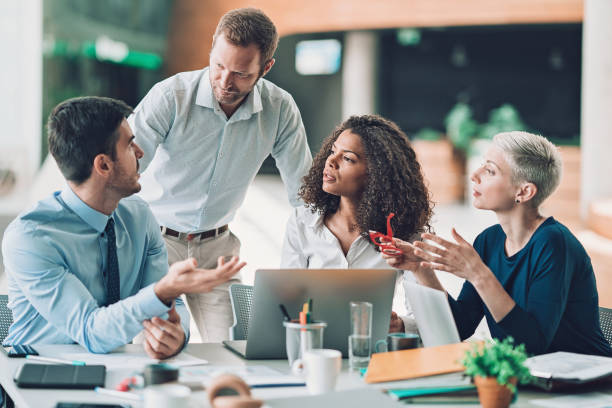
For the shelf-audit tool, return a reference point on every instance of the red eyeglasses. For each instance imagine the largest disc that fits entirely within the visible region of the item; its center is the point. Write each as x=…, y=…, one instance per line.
x=385, y=242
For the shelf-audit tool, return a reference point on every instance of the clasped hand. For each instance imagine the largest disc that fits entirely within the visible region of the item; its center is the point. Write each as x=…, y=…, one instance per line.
x=163, y=338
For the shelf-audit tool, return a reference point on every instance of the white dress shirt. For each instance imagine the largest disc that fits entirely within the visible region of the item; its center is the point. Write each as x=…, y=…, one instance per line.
x=198, y=164
x=309, y=244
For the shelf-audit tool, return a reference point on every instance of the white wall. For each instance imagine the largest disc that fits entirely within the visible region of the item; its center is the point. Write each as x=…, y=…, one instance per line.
x=596, y=132
x=359, y=71
x=21, y=96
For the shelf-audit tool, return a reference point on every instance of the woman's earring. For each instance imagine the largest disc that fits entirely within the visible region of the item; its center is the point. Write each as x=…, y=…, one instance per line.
x=518, y=201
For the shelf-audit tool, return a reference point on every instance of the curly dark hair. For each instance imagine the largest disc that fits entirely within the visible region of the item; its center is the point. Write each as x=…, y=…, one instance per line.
x=394, y=182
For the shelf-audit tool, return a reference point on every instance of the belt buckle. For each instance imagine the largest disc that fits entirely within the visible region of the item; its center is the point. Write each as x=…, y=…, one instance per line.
x=189, y=237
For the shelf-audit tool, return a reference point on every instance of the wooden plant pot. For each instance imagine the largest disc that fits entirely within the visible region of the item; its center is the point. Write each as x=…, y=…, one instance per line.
x=443, y=169
x=492, y=394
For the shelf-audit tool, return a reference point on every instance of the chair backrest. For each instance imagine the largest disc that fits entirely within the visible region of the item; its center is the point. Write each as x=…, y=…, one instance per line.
x=242, y=299
x=6, y=317
x=605, y=320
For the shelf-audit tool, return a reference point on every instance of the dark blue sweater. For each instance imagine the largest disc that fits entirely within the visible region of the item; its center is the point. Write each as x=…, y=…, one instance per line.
x=552, y=282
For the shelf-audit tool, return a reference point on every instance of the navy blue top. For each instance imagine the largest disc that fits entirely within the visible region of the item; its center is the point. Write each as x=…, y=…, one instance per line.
x=552, y=282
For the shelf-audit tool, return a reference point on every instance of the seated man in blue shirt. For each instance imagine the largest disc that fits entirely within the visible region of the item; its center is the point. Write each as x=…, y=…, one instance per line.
x=528, y=275
x=88, y=264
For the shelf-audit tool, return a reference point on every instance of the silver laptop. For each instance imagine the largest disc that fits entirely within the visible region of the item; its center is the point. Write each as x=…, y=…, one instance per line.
x=433, y=315
x=331, y=291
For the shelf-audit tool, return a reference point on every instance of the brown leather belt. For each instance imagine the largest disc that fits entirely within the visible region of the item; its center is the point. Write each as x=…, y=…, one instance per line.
x=187, y=236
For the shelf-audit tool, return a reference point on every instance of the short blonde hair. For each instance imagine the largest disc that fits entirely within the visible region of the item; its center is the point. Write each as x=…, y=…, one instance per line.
x=533, y=159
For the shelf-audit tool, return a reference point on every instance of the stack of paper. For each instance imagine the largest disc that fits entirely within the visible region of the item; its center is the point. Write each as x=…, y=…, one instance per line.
x=256, y=376
x=562, y=368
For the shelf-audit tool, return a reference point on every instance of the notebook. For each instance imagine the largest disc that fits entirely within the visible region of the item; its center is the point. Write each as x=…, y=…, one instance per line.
x=60, y=376
x=563, y=369
x=414, y=363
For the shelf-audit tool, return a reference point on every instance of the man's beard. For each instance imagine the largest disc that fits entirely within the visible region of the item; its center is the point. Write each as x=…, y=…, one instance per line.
x=230, y=99
x=123, y=186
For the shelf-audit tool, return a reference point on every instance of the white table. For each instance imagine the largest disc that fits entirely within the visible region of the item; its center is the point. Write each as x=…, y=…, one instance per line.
x=216, y=354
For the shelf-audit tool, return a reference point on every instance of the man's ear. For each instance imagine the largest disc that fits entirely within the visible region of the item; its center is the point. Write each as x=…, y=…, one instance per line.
x=526, y=192
x=268, y=66
x=102, y=165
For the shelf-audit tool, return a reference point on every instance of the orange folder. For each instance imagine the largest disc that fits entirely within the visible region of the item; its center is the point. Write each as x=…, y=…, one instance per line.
x=414, y=363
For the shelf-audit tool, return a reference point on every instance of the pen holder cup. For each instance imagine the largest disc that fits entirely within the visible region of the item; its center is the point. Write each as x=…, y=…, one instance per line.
x=302, y=337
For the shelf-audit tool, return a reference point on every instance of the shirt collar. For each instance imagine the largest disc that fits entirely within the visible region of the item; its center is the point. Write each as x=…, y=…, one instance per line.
x=205, y=98
x=313, y=220
x=93, y=218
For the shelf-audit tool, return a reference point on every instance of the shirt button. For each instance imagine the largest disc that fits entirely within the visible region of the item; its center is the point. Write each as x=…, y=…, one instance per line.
x=221, y=154
x=214, y=184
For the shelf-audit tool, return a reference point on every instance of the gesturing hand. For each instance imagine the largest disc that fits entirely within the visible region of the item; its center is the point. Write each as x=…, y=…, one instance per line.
x=164, y=338
x=460, y=259
x=184, y=277
x=396, y=325
x=406, y=260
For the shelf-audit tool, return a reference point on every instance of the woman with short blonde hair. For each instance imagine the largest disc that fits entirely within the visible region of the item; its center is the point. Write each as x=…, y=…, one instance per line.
x=528, y=275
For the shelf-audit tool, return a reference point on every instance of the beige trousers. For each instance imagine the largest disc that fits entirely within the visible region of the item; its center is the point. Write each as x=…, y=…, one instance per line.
x=212, y=311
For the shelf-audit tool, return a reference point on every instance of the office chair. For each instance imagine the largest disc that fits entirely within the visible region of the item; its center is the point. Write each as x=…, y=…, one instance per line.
x=242, y=298
x=6, y=317
x=605, y=320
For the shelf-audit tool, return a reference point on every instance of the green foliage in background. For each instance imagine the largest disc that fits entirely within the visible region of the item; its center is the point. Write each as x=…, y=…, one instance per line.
x=497, y=359
x=461, y=127
x=503, y=119
x=428, y=134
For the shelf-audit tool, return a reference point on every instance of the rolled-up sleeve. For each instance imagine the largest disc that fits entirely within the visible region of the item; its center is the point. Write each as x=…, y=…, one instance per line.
x=291, y=151
x=151, y=121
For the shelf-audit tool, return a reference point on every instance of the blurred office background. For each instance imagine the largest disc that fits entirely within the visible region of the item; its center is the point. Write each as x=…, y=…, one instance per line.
x=450, y=73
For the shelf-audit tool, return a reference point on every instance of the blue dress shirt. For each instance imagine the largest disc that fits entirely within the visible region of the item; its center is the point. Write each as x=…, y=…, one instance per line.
x=198, y=164
x=55, y=260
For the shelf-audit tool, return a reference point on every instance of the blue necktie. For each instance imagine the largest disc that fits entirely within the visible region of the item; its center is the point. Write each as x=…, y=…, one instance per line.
x=112, y=265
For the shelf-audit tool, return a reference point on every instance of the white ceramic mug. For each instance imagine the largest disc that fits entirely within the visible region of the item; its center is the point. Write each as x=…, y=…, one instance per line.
x=320, y=368
x=167, y=395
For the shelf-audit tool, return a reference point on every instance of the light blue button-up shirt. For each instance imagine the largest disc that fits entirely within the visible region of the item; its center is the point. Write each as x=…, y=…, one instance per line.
x=55, y=258
x=198, y=164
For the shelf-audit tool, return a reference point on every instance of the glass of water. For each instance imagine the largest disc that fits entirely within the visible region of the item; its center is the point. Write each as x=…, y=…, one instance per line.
x=361, y=334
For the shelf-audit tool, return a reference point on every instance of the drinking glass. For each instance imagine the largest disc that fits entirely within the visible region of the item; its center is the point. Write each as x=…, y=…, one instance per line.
x=361, y=334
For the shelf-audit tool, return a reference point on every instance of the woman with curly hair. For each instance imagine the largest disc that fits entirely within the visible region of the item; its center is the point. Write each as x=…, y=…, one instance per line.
x=365, y=170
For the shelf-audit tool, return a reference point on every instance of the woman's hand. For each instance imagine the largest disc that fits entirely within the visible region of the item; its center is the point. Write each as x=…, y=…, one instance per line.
x=460, y=259
x=409, y=260
x=397, y=324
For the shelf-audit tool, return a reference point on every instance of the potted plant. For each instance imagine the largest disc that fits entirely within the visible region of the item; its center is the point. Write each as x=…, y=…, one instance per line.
x=496, y=367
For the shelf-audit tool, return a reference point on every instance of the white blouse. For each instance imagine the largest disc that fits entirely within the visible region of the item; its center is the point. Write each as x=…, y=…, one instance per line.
x=309, y=244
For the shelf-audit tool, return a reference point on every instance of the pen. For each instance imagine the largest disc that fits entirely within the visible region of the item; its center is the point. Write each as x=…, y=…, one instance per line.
x=119, y=394
x=55, y=360
x=284, y=311
x=309, y=314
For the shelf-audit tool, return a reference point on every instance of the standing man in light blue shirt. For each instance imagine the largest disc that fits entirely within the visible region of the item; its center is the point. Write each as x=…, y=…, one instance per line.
x=205, y=135
x=88, y=264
